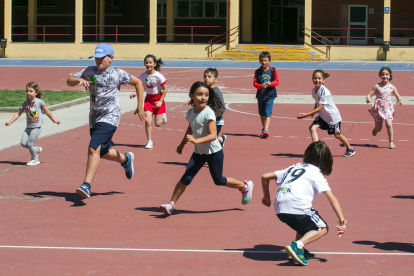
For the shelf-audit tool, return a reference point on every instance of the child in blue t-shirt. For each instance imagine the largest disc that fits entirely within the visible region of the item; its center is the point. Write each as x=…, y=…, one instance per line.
x=265, y=80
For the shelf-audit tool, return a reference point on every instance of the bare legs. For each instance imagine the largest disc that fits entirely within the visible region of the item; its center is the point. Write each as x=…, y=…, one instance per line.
x=148, y=121
x=180, y=187
x=311, y=236
x=265, y=122
x=94, y=158
x=339, y=136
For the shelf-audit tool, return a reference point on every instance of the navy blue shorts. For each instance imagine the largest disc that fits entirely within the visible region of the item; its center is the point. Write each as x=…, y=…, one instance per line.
x=265, y=107
x=101, y=135
x=215, y=165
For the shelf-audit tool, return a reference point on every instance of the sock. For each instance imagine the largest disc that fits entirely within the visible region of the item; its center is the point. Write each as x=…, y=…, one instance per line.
x=351, y=148
x=172, y=202
x=126, y=160
x=86, y=183
x=300, y=244
x=264, y=129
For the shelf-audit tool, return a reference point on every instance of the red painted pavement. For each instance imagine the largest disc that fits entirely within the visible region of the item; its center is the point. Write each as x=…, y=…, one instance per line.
x=39, y=206
x=233, y=81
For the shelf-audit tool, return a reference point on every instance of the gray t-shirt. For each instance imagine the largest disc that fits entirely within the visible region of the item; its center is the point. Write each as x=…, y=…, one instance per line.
x=219, y=119
x=34, y=115
x=199, y=125
x=104, y=95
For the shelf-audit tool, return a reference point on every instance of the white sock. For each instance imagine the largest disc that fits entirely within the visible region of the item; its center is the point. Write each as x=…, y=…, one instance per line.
x=300, y=244
x=172, y=202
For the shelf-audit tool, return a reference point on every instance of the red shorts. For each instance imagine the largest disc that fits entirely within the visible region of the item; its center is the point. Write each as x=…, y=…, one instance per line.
x=149, y=104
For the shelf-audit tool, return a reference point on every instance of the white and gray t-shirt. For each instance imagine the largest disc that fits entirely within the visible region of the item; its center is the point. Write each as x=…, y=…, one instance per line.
x=299, y=185
x=329, y=112
x=199, y=125
x=34, y=115
x=105, y=106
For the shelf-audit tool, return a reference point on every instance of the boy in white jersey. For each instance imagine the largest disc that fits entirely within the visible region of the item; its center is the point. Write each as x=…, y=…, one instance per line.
x=329, y=118
x=299, y=185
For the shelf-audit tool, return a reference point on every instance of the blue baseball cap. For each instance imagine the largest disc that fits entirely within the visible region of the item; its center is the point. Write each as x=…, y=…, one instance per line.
x=103, y=50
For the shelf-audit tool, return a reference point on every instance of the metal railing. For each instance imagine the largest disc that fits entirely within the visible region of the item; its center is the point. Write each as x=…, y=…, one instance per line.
x=192, y=34
x=328, y=45
x=116, y=34
x=44, y=34
x=347, y=33
x=220, y=37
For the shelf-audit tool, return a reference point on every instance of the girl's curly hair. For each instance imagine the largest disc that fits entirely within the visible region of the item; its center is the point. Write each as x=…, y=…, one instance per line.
x=213, y=102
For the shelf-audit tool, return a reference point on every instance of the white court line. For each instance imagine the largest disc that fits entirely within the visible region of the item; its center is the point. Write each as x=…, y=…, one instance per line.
x=195, y=250
x=290, y=118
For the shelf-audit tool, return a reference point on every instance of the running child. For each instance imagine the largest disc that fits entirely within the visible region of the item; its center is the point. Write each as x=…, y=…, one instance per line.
x=103, y=83
x=265, y=80
x=382, y=108
x=210, y=78
x=202, y=133
x=299, y=185
x=329, y=118
x=34, y=120
x=156, y=89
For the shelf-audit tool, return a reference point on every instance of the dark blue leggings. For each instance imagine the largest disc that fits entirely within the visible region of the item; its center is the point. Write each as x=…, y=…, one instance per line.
x=197, y=161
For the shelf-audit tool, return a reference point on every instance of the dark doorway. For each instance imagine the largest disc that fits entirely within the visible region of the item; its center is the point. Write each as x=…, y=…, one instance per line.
x=290, y=25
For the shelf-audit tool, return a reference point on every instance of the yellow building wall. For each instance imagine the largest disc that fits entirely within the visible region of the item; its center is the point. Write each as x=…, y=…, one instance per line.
x=122, y=51
x=367, y=53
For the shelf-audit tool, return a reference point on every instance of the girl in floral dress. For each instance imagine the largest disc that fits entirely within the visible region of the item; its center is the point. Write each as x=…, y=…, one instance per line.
x=382, y=108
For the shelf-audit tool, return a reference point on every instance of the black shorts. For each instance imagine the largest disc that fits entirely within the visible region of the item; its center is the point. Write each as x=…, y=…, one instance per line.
x=101, y=135
x=218, y=129
x=304, y=223
x=332, y=129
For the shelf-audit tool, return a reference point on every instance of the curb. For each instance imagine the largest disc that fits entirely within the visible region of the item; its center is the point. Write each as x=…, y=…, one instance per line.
x=52, y=107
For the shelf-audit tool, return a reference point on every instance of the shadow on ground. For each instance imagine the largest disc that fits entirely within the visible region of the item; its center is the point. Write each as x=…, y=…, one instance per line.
x=403, y=197
x=13, y=163
x=364, y=145
x=242, y=134
x=389, y=246
x=291, y=155
x=161, y=214
x=275, y=254
x=174, y=163
x=76, y=199
x=130, y=145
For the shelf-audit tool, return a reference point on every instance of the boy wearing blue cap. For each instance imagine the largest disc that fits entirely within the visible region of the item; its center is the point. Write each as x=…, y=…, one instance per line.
x=103, y=83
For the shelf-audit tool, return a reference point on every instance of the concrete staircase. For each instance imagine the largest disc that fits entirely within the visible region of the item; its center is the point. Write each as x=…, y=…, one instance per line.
x=248, y=52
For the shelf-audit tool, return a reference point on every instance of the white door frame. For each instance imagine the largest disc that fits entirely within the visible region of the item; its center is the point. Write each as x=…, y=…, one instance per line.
x=358, y=41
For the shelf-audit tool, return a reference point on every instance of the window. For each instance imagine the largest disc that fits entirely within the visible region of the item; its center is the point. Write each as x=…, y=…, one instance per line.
x=20, y=3
x=47, y=3
x=114, y=4
x=161, y=8
x=201, y=9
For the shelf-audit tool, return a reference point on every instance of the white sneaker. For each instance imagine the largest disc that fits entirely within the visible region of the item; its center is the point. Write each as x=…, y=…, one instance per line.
x=38, y=151
x=247, y=192
x=149, y=145
x=164, y=118
x=33, y=162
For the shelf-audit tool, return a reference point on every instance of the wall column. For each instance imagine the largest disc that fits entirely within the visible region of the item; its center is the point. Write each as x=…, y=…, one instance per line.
x=32, y=19
x=153, y=22
x=170, y=19
x=247, y=18
x=8, y=20
x=308, y=22
x=387, y=21
x=233, y=21
x=100, y=18
x=78, y=21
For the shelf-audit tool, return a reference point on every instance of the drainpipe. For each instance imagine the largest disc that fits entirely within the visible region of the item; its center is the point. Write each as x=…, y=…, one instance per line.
x=228, y=25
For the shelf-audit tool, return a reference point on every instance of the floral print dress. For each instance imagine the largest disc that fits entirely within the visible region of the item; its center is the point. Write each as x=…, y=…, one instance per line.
x=382, y=107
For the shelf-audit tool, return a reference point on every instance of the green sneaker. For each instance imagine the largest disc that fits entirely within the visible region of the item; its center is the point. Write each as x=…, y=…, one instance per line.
x=306, y=253
x=296, y=253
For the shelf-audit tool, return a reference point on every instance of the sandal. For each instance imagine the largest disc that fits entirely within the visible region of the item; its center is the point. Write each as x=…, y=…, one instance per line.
x=374, y=132
x=392, y=145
